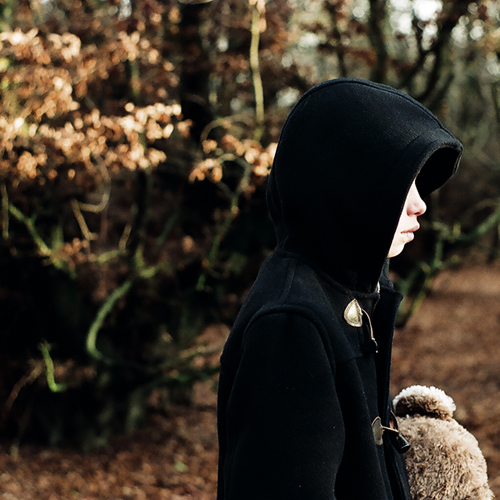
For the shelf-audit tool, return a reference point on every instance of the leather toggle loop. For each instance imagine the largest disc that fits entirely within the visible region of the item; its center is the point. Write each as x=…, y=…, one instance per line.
x=370, y=346
x=353, y=314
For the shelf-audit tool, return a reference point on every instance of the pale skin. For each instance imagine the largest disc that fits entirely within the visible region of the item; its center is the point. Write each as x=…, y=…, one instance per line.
x=408, y=224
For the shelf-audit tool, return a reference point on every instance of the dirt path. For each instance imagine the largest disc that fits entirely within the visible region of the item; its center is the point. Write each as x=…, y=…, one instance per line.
x=452, y=343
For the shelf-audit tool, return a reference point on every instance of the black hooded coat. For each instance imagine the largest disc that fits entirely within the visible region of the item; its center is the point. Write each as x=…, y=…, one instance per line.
x=300, y=386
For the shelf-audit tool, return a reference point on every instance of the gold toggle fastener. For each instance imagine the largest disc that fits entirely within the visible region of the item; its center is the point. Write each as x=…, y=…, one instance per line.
x=399, y=442
x=379, y=429
x=353, y=314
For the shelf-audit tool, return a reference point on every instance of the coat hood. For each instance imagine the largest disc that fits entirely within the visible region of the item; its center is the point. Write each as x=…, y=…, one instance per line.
x=347, y=156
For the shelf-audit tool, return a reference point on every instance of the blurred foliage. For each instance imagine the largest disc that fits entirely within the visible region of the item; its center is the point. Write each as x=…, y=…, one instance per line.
x=135, y=142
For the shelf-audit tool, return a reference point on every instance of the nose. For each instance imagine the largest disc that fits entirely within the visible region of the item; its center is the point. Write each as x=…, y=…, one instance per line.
x=416, y=206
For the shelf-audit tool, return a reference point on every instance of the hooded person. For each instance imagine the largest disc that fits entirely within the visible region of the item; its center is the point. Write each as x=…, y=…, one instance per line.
x=304, y=409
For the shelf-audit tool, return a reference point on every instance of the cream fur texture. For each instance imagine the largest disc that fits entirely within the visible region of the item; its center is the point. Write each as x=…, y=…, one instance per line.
x=444, y=461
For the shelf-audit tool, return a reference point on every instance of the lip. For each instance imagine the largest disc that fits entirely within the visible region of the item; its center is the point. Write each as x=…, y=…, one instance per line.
x=415, y=228
x=409, y=234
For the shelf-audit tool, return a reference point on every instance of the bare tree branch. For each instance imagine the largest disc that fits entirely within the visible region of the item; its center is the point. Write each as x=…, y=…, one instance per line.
x=452, y=12
x=377, y=41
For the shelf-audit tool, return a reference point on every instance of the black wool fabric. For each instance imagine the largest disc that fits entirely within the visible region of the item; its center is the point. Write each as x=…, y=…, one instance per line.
x=299, y=386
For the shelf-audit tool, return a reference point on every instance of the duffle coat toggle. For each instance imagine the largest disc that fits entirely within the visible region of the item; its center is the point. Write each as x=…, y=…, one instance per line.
x=399, y=442
x=353, y=315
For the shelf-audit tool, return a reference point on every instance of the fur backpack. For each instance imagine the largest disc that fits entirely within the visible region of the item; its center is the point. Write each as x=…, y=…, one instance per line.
x=444, y=461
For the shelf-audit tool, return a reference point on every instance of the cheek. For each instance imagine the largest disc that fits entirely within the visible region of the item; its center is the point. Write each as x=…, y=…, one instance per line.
x=402, y=223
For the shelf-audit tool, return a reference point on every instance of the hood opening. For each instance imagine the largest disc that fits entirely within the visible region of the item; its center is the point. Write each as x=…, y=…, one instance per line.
x=441, y=165
x=347, y=156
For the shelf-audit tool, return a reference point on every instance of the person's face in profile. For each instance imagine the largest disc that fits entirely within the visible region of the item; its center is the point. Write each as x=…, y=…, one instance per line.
x=405, y=232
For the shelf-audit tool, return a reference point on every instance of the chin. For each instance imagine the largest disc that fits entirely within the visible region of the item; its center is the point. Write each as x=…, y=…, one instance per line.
x=395, y=251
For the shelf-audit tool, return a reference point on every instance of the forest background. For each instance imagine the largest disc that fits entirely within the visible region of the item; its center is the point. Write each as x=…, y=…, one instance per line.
x=136, y=137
